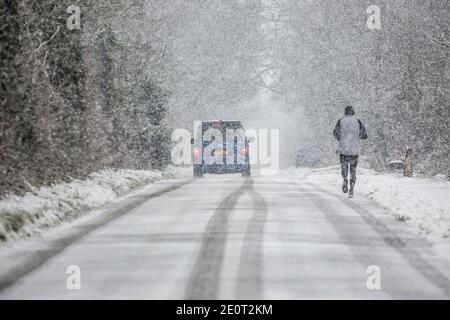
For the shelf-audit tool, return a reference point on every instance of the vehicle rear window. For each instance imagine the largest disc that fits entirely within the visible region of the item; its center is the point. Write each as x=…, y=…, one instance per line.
x=222, y=126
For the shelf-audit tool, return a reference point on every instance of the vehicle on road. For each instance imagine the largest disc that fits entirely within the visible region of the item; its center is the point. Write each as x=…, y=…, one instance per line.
x=221, y=147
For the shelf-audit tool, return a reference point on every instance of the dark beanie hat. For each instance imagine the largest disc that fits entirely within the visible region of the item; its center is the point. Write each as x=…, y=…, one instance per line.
x=349, y=111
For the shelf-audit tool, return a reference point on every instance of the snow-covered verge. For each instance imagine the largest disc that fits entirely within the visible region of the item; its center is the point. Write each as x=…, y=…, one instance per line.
x=422, y=201
x=23, y=216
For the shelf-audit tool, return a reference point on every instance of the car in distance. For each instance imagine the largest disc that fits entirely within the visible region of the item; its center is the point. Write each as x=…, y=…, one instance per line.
x=221, y=147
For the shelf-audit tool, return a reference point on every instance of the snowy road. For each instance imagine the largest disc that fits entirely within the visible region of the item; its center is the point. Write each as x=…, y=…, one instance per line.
x=228, y=237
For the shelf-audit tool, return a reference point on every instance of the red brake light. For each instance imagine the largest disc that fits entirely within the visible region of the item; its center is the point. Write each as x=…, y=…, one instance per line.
x=197, y=152
x=244, y=151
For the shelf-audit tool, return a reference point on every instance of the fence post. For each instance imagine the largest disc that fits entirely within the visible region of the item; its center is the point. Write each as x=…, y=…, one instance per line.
x=408, y=164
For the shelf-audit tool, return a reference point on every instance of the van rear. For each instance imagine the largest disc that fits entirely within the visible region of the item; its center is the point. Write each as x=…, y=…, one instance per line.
x=221, y=148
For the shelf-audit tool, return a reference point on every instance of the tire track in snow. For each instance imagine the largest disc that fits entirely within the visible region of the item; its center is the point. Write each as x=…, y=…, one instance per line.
x=203, y=283
x=250, y=272
x=37, y=258
x=353, y=237
x=413, y=258
x=360, y=244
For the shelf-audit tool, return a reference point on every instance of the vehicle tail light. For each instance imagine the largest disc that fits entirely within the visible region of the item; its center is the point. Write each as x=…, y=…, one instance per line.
x=197, y=152
x=244, y=151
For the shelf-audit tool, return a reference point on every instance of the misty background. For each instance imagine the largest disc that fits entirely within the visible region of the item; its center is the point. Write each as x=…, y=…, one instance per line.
x=109, y=94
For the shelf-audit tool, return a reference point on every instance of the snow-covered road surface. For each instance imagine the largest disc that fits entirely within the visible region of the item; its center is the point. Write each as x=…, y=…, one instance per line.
x=228, y=237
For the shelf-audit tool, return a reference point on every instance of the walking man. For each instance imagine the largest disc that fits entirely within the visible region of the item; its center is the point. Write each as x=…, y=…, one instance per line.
x=349, y=131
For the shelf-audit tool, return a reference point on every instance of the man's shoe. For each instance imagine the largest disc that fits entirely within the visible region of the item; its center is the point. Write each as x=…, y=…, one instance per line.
x=350, y=193
x=345, y=186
